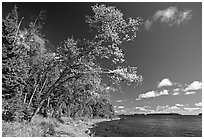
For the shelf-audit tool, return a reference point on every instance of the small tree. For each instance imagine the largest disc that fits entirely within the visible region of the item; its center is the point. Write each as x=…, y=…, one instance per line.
x=15, y=65
x=22, y=54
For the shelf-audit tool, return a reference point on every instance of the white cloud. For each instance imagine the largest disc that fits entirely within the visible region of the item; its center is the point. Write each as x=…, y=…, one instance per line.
x=177, y=89
x=190, y=93
x=175, y=93
x=167, y=109
x=120, y=107
x=181, y=105
x=166, y=15
x=159, y=108
x=172, y=108
x=152, y=94
x=147, y=95
x=177, y=108
x=196, y=85
x=140, y=108
x=199, y=104
x=164, y=92
x=165, y=82
x=170, y=16
x=143, y=109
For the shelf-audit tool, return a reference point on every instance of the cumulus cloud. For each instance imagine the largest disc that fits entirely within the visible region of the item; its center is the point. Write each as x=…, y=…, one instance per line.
x=179, y=105
x=199, y=104
x=159, y=108
x=196, y=85
x=147, y=95
x=140, y=108
x=170, y=16
x=143, y=109
x=165, y=82
x=189, y=90
x=190, y=93
x=152, y=94
x=173, y=108
x=175, y=93
x=177, y=89
x=164, y=92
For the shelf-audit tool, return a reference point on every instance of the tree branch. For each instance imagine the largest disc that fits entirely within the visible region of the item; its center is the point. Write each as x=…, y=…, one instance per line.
x=18, y=28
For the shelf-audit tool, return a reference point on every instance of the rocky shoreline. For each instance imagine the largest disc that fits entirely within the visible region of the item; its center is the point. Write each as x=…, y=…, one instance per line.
x=78, y=127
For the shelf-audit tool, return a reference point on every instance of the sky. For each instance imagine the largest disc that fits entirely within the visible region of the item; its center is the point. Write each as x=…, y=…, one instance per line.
x=167, y=51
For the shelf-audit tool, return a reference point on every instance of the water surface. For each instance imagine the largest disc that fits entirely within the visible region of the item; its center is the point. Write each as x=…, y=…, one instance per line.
x=151, y=126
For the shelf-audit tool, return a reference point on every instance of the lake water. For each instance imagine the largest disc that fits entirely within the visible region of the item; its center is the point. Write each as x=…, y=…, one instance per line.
x=151, y=126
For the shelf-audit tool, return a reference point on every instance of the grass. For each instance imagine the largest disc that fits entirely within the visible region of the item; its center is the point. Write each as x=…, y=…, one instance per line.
x=38, y=127
x=21, y=130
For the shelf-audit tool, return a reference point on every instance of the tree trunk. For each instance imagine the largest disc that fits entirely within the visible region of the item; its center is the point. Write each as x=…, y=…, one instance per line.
x=24, y=101
x=32, y=96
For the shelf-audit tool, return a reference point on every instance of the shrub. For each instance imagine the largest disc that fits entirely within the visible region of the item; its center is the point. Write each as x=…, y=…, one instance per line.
x=21, y=130
x=38, y=127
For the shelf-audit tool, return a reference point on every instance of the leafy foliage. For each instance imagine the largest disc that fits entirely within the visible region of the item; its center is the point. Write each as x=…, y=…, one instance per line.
x=112, y=30
x=67, y=80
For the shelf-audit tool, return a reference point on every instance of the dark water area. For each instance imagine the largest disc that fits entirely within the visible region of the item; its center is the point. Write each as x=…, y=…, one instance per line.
x=151, y=126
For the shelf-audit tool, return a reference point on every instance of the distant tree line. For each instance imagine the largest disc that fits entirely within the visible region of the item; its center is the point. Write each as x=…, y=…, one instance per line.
x=66, y=81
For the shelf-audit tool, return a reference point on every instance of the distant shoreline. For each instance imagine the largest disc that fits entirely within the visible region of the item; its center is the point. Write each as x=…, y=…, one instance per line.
x=164, y=114
x=160, y=114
